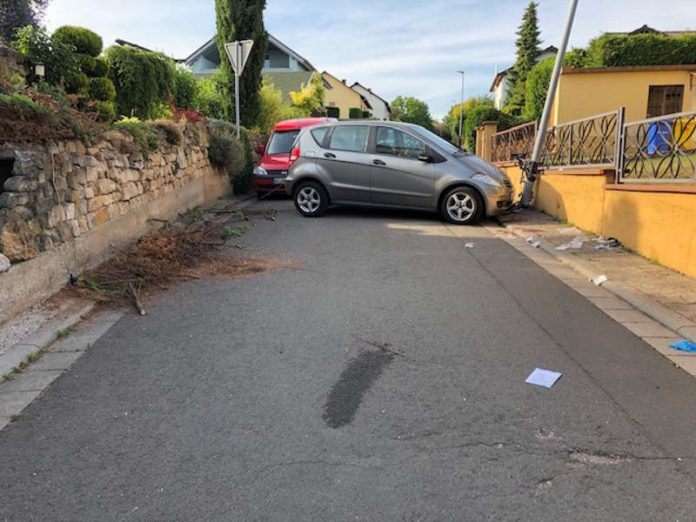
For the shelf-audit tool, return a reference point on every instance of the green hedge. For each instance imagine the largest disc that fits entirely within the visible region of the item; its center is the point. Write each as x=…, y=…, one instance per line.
x=643, y=49
x=143, y=80
x=82, y=40
x=355, y=114
x=101, y=89
x=333, y=112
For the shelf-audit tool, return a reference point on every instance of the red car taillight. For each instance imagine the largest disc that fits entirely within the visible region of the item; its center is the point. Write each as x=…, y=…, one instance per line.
x=294, y=156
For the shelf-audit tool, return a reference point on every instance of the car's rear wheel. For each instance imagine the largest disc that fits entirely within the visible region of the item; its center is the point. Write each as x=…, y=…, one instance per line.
x=461, y=206
x=311, y=200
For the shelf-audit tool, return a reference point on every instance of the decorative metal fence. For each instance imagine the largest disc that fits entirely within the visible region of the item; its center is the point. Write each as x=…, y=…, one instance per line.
x=659, y=150
x=515, y=141
x=590, y=142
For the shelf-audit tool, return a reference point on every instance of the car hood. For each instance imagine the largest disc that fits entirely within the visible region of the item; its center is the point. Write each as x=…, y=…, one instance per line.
x=479, y=166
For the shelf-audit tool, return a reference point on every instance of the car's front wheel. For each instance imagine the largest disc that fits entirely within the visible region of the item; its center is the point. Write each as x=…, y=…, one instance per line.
x=461, y=206
x=311, y=200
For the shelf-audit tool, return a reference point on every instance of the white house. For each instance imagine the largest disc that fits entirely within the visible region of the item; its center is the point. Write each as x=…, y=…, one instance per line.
x=501, y=84
x=380, y=108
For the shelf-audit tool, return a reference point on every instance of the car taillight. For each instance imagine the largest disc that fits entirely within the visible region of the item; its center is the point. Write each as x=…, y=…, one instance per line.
x=294, y=156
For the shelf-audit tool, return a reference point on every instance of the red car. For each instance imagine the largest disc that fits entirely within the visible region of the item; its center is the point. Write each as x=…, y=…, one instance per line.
x=269, y=174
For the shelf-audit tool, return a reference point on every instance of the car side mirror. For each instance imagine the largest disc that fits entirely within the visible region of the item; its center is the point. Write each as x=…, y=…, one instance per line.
x=261, y=149
x=425, y=158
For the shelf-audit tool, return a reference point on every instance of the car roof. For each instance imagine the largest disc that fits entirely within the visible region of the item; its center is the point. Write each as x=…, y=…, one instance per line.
x=381, y=123
x=300, y=123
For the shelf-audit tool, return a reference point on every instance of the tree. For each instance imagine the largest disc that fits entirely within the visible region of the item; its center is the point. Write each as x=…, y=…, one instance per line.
x=273, y=108
x=536, y=89
x=412, y=110
x=310, y=99
x=242, y=20
x=527, y=55
x=451, y=120
x=15, y=14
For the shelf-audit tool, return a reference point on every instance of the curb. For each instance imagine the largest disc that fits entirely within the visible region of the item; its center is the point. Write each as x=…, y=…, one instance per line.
x=679, y=324
x=40, y=340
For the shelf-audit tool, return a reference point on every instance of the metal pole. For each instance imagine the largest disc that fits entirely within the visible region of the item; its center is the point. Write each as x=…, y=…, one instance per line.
x=531, y=167
x=238, y=50
x=461, y=111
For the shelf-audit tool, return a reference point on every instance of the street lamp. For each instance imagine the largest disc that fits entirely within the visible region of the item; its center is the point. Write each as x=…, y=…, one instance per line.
x=461, y=111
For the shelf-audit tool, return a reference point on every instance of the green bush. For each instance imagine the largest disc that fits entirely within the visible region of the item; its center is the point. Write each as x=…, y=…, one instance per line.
x=101, y=68
x=82, y=40
x=101, y=89
x=76, y=83
x=242, y=181
x=536, y=88
x=170, y=131
x=185, y=87
x=231, y=155
x=210, y=98
x=143, y=80
x=611, y=50
x=36, y=46
x=477, y=115
x=143, y=135
x=88, y=64
x=333, y=112
x=105, y=109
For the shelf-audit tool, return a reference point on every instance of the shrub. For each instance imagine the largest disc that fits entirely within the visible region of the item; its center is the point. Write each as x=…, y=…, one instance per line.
x=242, y=181
x=102, y=89
x=36, y=46
x=88, y=64
x=310, y=99
x=333, y=112
x=355, y=114
x=536, y=88
x=171, y=132
x=612, y=50
x=188, y=115
x=477, y=115
x=76, y=83
x=101, y=68
x=210, y=98
x=82, y=40
x=105, y=109
x=143, y=135
x=143, y=80
x=227, y=154
x=185, y=88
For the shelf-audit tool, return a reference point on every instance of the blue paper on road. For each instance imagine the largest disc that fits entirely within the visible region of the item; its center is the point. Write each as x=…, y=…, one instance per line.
x=544, y=378
x=684, y=346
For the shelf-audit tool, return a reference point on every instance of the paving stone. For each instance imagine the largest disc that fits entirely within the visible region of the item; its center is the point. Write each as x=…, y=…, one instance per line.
x=661, y=344
x=648, y=328
x=628, y=316
x=12, y=403
x=610, y=303
x=686, y=363
x=56, y=361
x=31, y=381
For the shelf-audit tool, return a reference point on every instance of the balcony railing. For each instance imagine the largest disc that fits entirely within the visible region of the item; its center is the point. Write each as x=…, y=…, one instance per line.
x=515, y=141
x=659, y=150
x=590, y=142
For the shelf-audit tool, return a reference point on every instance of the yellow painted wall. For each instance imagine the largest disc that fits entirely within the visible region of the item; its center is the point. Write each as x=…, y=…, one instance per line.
x=585, y=94
x=341, y=96
x=658, y=225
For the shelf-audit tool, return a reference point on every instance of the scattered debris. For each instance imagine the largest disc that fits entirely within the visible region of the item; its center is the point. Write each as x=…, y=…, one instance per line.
x=543, y=378
x=599, y=280
x=382, y=346
x=609, y=243
x=533, y=242
x=575, y=244
x=684, y=346
x=469, y=245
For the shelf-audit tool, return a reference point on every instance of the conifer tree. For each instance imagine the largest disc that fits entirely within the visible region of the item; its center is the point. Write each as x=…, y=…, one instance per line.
x=527, y=55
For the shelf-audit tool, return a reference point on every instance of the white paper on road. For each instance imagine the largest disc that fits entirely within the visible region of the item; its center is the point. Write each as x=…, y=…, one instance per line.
x=600, y=280
x=575, y=243
x=469, y=245
x=543, y=378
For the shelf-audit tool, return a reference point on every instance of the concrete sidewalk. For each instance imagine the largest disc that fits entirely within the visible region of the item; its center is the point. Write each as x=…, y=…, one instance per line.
x=660, y=293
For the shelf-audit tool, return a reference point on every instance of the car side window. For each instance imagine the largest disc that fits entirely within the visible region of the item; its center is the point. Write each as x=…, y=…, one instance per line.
x=319, y=134
x=352, y=138
x=393, y=142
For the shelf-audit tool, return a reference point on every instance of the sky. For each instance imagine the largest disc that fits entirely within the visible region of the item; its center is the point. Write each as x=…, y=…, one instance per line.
x=395, y=47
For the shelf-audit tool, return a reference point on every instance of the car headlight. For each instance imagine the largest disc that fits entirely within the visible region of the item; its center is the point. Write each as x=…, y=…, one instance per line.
x=487, y=180
x=260, y=171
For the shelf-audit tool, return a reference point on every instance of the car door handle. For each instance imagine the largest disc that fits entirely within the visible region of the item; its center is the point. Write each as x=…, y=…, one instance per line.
x=378, y=162
x=329, y=155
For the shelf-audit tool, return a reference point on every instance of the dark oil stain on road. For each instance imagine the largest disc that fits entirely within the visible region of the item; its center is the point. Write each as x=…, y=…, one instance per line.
x=347, y=394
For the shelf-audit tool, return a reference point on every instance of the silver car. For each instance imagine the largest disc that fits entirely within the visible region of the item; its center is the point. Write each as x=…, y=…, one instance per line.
x=393, y=165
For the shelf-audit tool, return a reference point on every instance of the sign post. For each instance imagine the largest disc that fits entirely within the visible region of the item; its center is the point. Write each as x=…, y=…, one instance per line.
x=238, y=54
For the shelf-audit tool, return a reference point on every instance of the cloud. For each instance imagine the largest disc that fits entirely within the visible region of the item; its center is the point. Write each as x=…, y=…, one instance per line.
x=404, y=47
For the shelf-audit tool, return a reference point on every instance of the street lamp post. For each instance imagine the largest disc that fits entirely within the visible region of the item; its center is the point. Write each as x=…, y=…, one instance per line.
x=461, y=111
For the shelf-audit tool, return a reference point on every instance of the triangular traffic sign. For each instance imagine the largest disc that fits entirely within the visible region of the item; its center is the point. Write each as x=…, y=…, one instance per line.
x=238, y=53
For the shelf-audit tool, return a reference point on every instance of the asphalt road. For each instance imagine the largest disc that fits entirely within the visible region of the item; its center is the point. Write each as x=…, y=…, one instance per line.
x=264, y=399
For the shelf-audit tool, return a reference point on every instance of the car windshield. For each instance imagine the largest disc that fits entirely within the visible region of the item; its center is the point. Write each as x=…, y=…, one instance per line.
x=445, y=145
x=281, y=142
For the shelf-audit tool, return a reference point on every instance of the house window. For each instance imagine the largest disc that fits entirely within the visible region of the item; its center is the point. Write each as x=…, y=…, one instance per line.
x=665, y=99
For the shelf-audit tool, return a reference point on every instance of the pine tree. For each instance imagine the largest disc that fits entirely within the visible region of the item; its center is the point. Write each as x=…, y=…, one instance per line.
x=527, y=55
x=15, y=14
x=242, y=20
